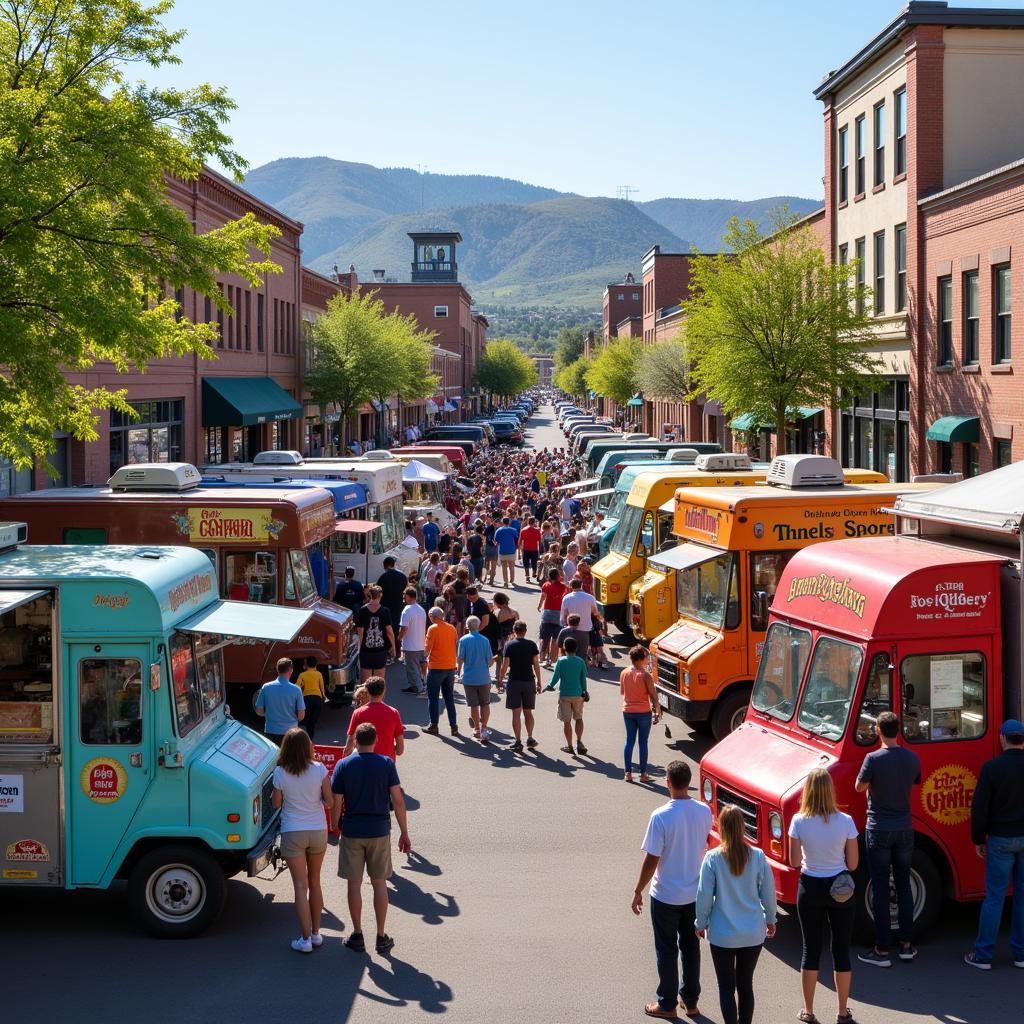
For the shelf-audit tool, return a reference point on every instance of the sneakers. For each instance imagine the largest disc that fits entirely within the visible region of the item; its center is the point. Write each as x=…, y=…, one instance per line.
x=455, y=730
x=485, y=735
x=356, y=942
x=875, y=958
x=907, y=953
x=301, y=945
x=317, y=939
x=531, y=743
x=409, y=689
x=517, y=747
x=580, y=749
x=971, y=959
x=1019, y=963
x=385, y=943
x=567, y=750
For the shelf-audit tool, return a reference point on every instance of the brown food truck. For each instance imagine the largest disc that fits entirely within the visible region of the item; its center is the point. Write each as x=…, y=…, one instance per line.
x=269, y=546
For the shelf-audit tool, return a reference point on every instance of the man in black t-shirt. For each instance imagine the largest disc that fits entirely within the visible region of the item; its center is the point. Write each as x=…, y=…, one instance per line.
x=376, y=635
x=349, y=591
x=475, y=550
x=521, y=660
x=392, y=583
x=478, y=606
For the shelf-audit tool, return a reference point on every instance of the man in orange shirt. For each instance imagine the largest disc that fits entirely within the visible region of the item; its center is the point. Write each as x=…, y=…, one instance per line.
x=442, y=640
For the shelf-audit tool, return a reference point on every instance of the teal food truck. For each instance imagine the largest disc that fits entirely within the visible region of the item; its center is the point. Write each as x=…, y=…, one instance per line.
x=117, y=756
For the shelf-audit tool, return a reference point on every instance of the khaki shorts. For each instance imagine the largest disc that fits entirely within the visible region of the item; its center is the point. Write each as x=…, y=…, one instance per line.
x=570, y=709
x=304, y=841
x=508, y=559
x=372, y=855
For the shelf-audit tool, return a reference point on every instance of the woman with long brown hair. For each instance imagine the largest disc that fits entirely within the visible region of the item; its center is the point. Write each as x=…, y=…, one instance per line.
x=736, y=910
x=823, y=844
x=302, y=790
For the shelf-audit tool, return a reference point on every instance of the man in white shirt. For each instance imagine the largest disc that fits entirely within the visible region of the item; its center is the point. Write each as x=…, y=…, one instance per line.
x=674, y=846
x=569, y=565
x=580, y=603
x=565, y=510
x=413, y=636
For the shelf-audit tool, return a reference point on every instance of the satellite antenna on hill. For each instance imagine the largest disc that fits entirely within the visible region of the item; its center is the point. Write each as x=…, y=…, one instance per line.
x=422, y=168
x=625, y=191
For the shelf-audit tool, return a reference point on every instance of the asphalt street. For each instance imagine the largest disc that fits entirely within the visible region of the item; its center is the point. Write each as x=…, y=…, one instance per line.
x=513, y=905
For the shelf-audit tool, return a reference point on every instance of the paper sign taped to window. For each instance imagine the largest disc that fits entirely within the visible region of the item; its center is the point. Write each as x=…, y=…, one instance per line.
x=947, y=678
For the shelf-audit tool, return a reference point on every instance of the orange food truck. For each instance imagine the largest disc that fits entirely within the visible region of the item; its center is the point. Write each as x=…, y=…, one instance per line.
x=927, y=624
x=262, y=543
x=707, y=599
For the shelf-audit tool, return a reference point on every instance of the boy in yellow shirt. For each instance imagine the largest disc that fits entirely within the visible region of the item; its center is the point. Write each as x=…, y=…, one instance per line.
x=311, y=682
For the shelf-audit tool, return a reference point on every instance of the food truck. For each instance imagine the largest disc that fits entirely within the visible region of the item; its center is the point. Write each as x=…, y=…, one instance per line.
x=705, y=602
x=117, y=758
x=263, y=543
x=383, y=483
x=926, y=624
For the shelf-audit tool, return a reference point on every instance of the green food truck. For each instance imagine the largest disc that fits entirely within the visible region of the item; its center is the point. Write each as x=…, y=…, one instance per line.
x=117, y=757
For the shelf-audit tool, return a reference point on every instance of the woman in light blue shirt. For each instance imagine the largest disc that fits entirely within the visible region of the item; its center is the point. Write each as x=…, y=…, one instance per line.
x=736, y=909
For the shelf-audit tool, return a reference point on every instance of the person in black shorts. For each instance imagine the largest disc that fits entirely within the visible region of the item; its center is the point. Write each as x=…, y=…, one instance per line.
x=521, y=661
x=376, y=635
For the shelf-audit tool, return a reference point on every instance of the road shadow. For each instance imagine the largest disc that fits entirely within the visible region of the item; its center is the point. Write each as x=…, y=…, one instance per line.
x=406, y=895
x=404, y=984
x=418, y=863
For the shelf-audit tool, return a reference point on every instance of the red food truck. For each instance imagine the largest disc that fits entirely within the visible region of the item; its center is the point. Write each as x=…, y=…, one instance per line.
x=926, y=624
x=268, y=546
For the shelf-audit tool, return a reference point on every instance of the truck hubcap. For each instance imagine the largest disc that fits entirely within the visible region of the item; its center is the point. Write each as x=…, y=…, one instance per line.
x=175, y=893
x=917, y=889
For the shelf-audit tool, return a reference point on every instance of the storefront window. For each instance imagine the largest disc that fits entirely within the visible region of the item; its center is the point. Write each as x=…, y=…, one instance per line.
x=1003, y=454
x=970, y=460
x=110, y=700
x=866, y=445
x=213, y=439
x=943, y=697
x=875, y=430
x=154, y=435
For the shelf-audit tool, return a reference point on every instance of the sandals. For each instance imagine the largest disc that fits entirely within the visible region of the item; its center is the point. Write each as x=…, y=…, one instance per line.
x=807, y=1018
x=845, y=1018
x=654, y=1010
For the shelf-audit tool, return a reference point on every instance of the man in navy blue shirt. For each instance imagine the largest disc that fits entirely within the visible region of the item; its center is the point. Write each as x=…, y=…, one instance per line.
x=349, y=591
x=431, y=531
x=365, y=787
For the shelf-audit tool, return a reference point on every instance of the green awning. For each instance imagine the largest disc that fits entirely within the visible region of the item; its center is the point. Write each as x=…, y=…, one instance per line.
x=806, y=412
x=635, y=401
x=748, y=421
x=744, y=423
x=964, y=429
x=246, y=401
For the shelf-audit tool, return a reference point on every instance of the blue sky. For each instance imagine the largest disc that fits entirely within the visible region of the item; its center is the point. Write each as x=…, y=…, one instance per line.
x=672, y=97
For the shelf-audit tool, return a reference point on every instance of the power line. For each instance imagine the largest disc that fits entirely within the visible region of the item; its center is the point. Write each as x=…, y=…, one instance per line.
x=625, y=191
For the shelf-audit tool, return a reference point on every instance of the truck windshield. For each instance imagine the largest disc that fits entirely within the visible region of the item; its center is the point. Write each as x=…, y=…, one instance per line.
x=422, y=495
x=197, y=678
x=616, y=504
x=629, y=527
x=781, y=670
x=831, y=685
x=389, y=515
x=300, y=577
x=707, y=591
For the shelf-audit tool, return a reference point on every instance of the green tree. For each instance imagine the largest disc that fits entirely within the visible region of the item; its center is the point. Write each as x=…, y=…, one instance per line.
x=90, y=247
x=504, y=370
x=612, y=371
x=663, y=371
x=572, y=379
x=569, y=345
x=772, y=325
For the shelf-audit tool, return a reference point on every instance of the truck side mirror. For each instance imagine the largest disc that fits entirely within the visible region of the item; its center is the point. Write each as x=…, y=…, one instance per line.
x=759, y=611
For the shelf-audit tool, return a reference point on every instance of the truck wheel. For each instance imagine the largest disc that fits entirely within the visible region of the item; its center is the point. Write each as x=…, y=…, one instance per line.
x=926, y=887
x=729, y=712
x=177, y=891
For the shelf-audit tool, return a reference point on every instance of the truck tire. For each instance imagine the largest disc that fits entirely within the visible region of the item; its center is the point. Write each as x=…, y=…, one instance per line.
x=729, y=712
x=926, y=886
x=177, y=891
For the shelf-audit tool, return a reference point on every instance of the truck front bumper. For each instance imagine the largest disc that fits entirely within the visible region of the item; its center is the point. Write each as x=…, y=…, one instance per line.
x=265, y=851
x=342, y=678
x=682, y=707
x=613, y=613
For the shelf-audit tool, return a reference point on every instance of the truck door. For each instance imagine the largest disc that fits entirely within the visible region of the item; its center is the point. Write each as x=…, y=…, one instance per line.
x=110, y=739
x=31, y=839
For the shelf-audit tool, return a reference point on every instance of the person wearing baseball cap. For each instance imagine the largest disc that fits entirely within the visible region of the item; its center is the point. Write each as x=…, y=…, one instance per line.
x=997, y=831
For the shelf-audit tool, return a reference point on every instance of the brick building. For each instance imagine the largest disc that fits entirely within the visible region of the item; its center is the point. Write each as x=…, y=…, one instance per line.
x=930, y=103
x=621, y=305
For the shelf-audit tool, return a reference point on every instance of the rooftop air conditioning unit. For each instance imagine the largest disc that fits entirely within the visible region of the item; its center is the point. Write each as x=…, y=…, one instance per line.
x=805, y=471
x=156, y=476
x=378, y=455
x=12, y=534
x=274, y=458
x=723, y=462
x=636, y=437
x=682, y=455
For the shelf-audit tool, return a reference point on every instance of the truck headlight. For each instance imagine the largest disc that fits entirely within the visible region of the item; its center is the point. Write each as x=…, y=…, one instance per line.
x=255, y=810
x=686, y=676
x=706, y=791
x=775, y=825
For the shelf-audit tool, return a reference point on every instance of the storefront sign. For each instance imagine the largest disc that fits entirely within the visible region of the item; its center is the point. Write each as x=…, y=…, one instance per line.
x=12, y=794
x=27, y=851
x=228, y=525
x=829, y=590
x=103, y=780
x=947, y=792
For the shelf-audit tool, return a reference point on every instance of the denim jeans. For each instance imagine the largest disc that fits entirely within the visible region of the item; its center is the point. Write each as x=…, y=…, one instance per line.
x=411, y=662
x=638, y=727
x=674, y=935
x=1004, y=861
x=890, y=849
x=441, y=682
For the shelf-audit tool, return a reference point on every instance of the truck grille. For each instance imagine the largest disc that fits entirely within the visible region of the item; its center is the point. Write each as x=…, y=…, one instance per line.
x=267, y=801
x=748, y=808
x=668, y=673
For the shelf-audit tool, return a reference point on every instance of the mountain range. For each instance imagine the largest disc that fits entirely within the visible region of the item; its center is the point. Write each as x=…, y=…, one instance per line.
x=522, y=244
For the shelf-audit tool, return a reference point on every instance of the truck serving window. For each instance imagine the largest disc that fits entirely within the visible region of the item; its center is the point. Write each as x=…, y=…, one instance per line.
x=709, y=592
x=943, y=697
x=110, y=701
x=831, y=684
x=197, y=677
x=877, y=698
x=210, y=668
x=781, y=670
x=251, y=576
x=26, y=673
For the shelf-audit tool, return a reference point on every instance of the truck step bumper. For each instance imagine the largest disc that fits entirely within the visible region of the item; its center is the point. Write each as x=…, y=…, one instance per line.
x=263, y=853
x=682, y=707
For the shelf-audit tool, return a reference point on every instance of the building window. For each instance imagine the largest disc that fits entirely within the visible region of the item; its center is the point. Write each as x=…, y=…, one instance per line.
x=971, y=323
x=440, y=312
x=154, y=436
x=622, y=296
x=636, y=296
x=213, y=439
x=248, y=320
x=858, y=167
x=879, y=119
x=207, y=308
x=1001, y=314
x=901, y=267
x=879, y=272
x=945, y=291
x=844, y=255
x=945, y=451
x=1003, y=454
x=844, y=169
x=900, y=103
x=971, y=459
x=858, y=255
x=260, y=316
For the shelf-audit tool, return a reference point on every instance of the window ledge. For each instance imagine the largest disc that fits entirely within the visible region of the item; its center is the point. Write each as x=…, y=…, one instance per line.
x=944, y=368
x=858, y=197
x=972, y=368
x=1002, y=368
x=880, y=187
x=899, y=178
x=844, y=204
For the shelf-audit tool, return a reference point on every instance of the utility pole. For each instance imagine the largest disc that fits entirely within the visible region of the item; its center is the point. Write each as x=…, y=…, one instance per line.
x=625, y=191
